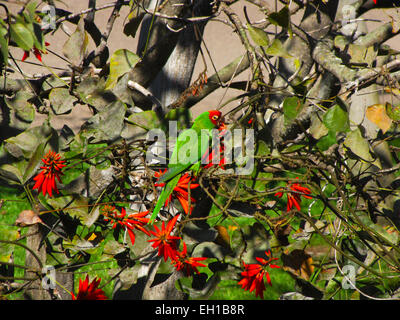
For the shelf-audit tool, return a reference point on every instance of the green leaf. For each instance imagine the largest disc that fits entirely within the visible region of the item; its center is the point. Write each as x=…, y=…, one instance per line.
x=14, y=170
x=121, y=62
x=326, y=141
x=317, y=127
x=361, y=54
x=209, y=250
x=34, y=162
x=107, y=125
x=135, y=18
x=52, y=82
x=22, y=112
x=7, y=249
x=61, y=100
x=281, y=19
x=391, y=237
x=113, y=248
x=276, y=49
x=75, y=172
x=24, y=144
x=4, y=44
x=336, y=119
x=21, y=35
x=358, y=145
x=92, y=91
x=75, y=47
x=75, y=206
x=77, y=244
x=259, y=36
x=140, y=123
x=183, y=117
x=393, y=111
x=291, y=108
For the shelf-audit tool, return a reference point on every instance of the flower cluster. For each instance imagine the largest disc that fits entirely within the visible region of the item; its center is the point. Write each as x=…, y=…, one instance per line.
x=46, y=179
x=89, y=291
x=253, y=275
x=167, y=245
x=129, y=222
x=180, y=190
x=293, y=198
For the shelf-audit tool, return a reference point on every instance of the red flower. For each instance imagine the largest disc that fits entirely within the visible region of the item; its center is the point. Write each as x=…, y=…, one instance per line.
x=37, y=52
x=217, y=151
x=253, y=279
x=293, y=198
x=89, y=291
x=188, y=264
x=210, y=158
x=253, y=275
x=180, y=191
x=130, y=222
x=45, y=180
x=164, y=241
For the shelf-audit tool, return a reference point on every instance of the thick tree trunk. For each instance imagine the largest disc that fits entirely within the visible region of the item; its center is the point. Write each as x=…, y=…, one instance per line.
x=51, y=284
x=176, y=74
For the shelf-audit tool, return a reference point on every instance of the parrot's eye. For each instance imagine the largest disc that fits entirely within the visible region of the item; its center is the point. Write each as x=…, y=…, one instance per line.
x=215, y=118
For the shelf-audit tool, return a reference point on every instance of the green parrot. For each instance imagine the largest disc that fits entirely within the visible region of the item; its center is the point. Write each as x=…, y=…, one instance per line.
x=190, y=146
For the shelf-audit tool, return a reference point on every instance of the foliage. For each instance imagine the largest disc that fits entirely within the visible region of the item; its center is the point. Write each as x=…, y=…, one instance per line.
x=321, y=198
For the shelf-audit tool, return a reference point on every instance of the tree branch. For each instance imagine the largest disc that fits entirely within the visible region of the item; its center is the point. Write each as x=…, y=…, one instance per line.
x=102, y=48
x=214, y=82
x=161, y=43
x=323, y=54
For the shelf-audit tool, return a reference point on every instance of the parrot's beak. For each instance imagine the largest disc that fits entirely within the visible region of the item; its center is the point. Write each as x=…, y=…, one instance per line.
x=221, y=125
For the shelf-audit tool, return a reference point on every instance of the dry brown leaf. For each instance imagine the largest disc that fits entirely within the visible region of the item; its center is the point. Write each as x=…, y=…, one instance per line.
x=222, y=237
x=299, y=263
x=27, y=218
x=377, y=114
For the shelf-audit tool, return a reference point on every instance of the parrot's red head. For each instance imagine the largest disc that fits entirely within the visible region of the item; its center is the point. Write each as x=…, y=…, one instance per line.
x=216, y=118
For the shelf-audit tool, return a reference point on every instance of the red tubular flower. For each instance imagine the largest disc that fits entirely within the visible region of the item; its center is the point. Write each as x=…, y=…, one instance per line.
x=89, y=291
x=180, y=191
x=253, y=279
x=136, y=221
x=209, y=157
x=129, y=222
x=164, y=241
x=253, y=275
x=293, y=198
x=187, y=264
x=216, y=154
x=45, y=180
x=37, y=52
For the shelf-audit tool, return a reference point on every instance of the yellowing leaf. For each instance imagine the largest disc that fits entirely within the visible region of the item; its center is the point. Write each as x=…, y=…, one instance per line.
x=223, y=237
x=121, y=62
x=377, y=114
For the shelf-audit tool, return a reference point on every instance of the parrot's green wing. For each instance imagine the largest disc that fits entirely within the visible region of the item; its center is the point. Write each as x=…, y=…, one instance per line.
x=165, y=193
x=190, y=146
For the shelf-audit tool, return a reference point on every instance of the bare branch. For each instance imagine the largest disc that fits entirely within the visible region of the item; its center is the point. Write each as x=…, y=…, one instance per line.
x=214, y=82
